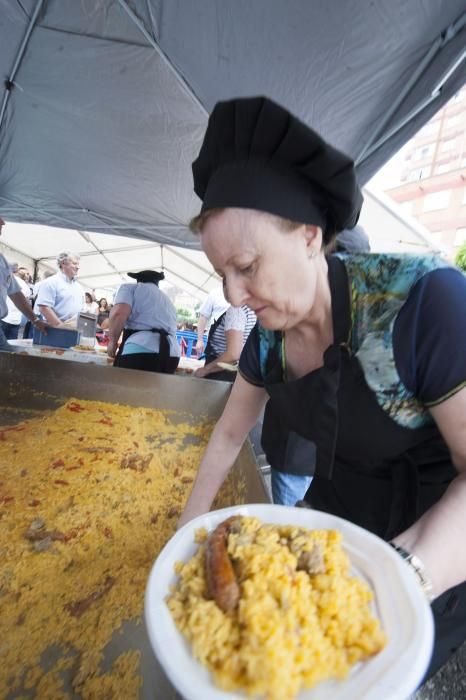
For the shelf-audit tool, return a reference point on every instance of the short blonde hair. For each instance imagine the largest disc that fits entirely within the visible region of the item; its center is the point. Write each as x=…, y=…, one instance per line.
x=285, y=225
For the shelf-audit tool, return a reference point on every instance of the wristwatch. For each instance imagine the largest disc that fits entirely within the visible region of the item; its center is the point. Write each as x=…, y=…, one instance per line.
x=419, y=569
x=35, y=319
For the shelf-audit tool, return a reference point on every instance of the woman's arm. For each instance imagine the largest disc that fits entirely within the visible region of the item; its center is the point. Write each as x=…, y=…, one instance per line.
x=437, y=538
x=116, y=322
x=232, y=353
x=239, y=416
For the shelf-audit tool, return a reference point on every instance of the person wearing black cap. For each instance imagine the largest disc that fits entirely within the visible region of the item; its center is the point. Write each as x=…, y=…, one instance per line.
x=362, y=355
x=147, y=318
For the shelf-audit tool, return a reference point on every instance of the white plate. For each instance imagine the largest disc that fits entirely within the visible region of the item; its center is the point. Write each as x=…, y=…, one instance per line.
x=400, y=605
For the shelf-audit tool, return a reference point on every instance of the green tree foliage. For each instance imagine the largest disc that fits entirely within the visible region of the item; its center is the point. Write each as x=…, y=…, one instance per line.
x=460, y=259
x=185, y=315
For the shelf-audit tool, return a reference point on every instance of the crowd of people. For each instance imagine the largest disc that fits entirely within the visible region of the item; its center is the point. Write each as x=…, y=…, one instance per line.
x=53, y=301
x=358, y=359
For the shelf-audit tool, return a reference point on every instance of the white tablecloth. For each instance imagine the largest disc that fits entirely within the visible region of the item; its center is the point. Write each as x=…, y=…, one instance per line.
x=98, y=356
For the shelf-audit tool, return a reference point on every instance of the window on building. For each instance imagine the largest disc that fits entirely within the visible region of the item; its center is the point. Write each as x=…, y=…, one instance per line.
x=447, y=145
x=460, y=236
x=454, y=120
x=443, y=168
x=424, y=152
x=437, y=200
x=407, y=207
x=420, y=173
x=430, y=128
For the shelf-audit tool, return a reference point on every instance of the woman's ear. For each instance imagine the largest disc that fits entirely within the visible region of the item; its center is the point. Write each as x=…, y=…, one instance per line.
x=313, y=239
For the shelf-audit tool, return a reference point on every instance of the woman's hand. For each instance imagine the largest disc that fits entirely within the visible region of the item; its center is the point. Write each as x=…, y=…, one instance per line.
x=241, y=412
x=200, y=372
x=437, y=538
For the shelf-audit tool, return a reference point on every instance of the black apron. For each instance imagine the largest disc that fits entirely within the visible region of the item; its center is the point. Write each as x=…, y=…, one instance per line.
x=368, y=468
x=164, y=348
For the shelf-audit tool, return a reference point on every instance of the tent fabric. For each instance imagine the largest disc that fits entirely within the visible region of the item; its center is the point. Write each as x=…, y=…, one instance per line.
x=106, y=259
x=105, y=105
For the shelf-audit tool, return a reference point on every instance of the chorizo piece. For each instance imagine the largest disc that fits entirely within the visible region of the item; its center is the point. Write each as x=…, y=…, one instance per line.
x=221, y=578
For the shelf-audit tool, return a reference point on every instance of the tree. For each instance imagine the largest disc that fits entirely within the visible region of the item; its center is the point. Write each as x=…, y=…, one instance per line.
x=460, y=259
x=185, y=315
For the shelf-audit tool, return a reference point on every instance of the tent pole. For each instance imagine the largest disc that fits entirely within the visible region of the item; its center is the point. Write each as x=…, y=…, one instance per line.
x=414, y=112
x=36, y=269
x=371, y=145
x=184, y=85
x=19, y=56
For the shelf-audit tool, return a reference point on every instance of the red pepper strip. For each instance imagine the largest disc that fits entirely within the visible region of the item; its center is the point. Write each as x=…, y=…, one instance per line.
x=61, y=481
x=58, y=463
x=6, y=499
x=106, y=421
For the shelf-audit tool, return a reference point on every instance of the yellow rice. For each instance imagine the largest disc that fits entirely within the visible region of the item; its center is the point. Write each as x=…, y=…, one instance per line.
x=291, y=629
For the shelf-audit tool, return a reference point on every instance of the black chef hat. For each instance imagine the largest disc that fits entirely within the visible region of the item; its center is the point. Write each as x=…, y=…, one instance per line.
x=256, y=155
x=147, y=276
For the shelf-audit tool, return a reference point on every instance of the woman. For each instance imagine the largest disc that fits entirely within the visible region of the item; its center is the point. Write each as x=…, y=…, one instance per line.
x=90, y=306
x=363, y=356
x=147, y=319
x=227, y=337
x=103, y=313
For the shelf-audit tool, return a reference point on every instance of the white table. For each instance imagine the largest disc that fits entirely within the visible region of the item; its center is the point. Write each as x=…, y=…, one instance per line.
x=98, y=356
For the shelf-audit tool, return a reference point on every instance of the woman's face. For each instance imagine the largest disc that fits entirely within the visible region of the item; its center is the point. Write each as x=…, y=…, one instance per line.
x=103, y=303
x=88, y=298
x=271, y=271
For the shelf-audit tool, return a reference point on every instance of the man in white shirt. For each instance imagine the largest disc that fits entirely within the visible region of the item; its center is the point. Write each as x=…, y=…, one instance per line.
x=60, y=297
x=9, y=287
x=213, y=307
x=11, y=323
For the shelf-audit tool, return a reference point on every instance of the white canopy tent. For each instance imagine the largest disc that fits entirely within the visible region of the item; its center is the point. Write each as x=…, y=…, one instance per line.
x=103, y=103
x=106, y=258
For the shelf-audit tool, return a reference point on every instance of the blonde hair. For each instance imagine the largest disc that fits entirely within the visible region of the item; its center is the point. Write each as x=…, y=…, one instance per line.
x=284, y=225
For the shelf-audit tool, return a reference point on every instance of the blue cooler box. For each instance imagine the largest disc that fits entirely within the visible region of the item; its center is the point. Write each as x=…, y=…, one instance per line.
x=56, y=337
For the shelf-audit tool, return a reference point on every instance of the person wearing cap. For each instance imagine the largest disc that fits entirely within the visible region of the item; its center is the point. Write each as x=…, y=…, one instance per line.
x=147, y=318
x=10, y=289
x=60, y=297
x=212, y=309
x=363, y=356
